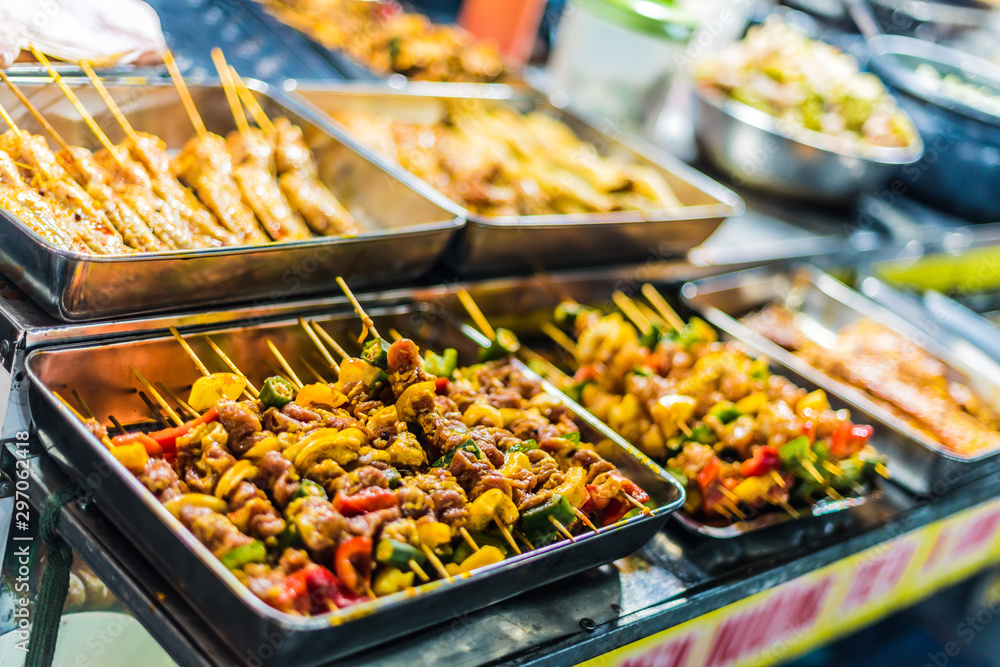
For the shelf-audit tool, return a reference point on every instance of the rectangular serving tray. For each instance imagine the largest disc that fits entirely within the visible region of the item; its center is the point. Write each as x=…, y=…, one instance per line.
x=406, y=228
x=101, y=373
x=493, y=245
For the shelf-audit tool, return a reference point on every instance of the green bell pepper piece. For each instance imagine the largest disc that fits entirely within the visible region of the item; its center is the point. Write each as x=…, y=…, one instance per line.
x=441, y=365
x=701, y=434
x=651, y=336
x=290, y=538
x=277, y=392
x=793, y=451
x=399, y=554
x=523, y=446
x=725, y=412
x=537, y=524
x=504, y=344
x=395, y=479
x=307, y=488
x=467, y=446
x=255, y=552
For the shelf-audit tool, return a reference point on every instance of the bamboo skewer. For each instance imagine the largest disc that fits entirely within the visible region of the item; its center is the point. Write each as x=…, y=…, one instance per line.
x=562, y=529
x=250, y=102
x=660, y=304
x=249, y=391
x=312, y=369
x=182, y=90
x=329, y=340
x=415, y=566
x=83, y=404
x=109, y=101
x=106, y=440
x=190, y=352
x=319, y=345
x=560, y=337
x=178, y=400
x=118, y=424
x=586, y=520
x=78, y=105
x=635, y=503
x=506, y=534
x=232, y=97
x=468, y=538
x=156, y=396
x=630, y=311
x=436, y=562
x=524, y=539
x=153, y=408
x=42, y=120
x=284, y=365
x=366, y=321
x=476, y=314
x=10, y=123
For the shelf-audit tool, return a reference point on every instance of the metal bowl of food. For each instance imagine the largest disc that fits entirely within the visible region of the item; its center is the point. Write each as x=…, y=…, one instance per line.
x=755, y=124
x=954, y=100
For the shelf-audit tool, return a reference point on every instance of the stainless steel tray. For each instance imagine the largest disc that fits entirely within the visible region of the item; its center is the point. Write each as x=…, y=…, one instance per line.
x=407, y=227
x=260, y=633
x=492, y=245
x=917, y=461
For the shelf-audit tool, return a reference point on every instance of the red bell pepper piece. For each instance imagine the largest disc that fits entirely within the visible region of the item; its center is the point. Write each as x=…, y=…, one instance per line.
x=634, y=490
x=585, y=373
x=860, y=434
x=153, y=448
x=168, y=436
x=764, y=460
x=441, y=386
x=849, y=438
x=654, y=361
x=709, y=474
x=366, y=500
x=809, y=430
x=353, y=562
x=614, y=511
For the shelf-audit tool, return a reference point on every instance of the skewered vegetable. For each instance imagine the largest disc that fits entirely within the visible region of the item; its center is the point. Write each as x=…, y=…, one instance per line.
x=321, y=496
x=740, y=438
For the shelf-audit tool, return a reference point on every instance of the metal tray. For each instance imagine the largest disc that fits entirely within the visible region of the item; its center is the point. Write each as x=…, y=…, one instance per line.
x=917, y=461
x=408, y=227
x=260, y=633
x=492, y=245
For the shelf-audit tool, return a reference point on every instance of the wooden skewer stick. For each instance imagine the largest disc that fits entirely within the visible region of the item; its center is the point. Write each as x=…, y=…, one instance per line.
x=395, y=335
x=476, y=314
x=78, y=105
x=230, y=89
x=284, y=364
x=367, y=321
x=312, y=369
x=635, y=503
x=105, y=440
x=110, y=102
x=436, y=562
x=42, y=120
x=157, y=416
x=550, y=368
x=627, y=306
x=882, y=470
x=560, y=337
x=524, y=539
x=156, y=396
x=562, y=529
x=778, y=479
x=368, y=590
x=811, y=469
x=662, y=307
x=182, y=90
x=788, y=508
x=177, y=399
x=506, y=534
x=83, y=404
x=250, y=102
x=10, y=123
x=118, y=424
x=721, y=509
x=328, y=339
x=190, y=352
x=585, y=519
x=468, y=538
x=833, y=469
x=249, y=391
x=415, y=566
x=319, y=345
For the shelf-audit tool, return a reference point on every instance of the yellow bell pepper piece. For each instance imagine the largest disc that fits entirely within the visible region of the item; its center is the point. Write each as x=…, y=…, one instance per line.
x=752, y=404
x=320, y=394
x=405, y=400
x=433, y=533
x=486, y=555
x=625, y=412
x=493, y=502
x=233, y=476
x=453, y=569
x=343, y=448
x=670, y=411
x=515, y=461
x=133, y=457
x=210, y=389
x=815, y=401
x=196, y=500
x=482, y=413
x=753, y=488
x=511, y=415
x=391, y=580
x=351, y=370
x=268, y=444
x=574, y=486
x=325, y=434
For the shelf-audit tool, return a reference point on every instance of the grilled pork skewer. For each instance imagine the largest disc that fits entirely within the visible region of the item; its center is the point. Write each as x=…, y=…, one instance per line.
x=299, y=181
x=33, y=210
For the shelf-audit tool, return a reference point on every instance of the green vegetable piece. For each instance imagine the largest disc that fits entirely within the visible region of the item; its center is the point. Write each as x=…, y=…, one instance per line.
x=652, y=336
x=821, y=450
x=378, y=378
x=567, y=312
x=395, y=479
x=307, y=488
x=575, y=391
x=679, y=475
x=441, y=365
x=399, y=554
x=725, y=412
x=467, y=446
x=537, y=524
x=504, y=345
x=376, y=352
x=290, y=538
x=573, y=436
x=701, y=434
x=793, y=451
x=523, y=446
x=243, y=555
x=277, y=392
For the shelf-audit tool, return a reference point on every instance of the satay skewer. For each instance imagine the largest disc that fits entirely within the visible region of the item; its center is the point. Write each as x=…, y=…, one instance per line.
x=329, y=340
x=559, y=337
x=436, y=562
x=156, y=396
x=468, y=538
x=182, y=90
x=415, y=566
x=190, y=352
x=153, y=408
x=585, y=520
x=314, y=337
x=118, y=424
x=369, y=325
x=312, y=369
x=628, y=308
x=251, y=103
x=229, y=88
x=284, y=365
x=562, y=529
x=476, y=314
x=506, y=534
x=662, y=307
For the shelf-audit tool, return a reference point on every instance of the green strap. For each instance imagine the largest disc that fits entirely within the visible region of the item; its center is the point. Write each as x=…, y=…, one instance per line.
x=55, y=580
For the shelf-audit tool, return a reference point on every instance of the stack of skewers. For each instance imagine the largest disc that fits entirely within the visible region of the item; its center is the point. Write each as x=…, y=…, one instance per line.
x=256, y=186
x=740, y=438
x=405, y=468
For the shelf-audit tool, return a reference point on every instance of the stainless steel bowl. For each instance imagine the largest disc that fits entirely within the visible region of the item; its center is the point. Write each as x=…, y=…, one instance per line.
x=759, y=151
